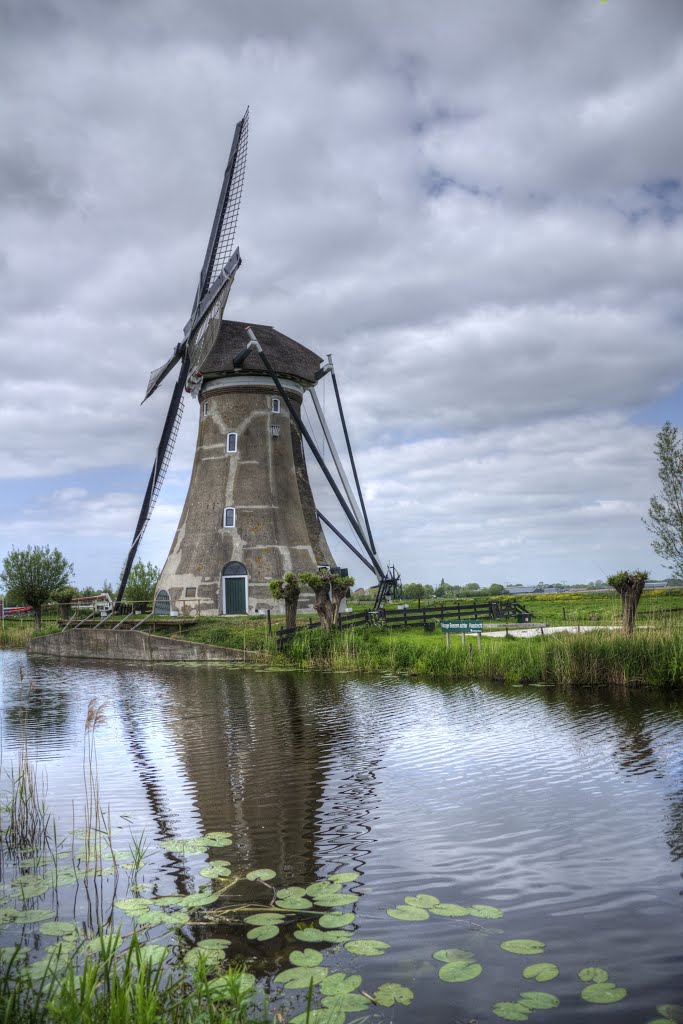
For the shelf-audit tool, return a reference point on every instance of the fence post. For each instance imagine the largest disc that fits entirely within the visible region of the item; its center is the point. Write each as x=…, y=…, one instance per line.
x=405, y=617
x=270, y=625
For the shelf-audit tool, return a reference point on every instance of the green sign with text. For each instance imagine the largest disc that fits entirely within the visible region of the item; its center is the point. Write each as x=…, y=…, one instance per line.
x=462, y=627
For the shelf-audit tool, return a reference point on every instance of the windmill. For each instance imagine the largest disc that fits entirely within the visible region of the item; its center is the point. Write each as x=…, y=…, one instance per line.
x=249, y=515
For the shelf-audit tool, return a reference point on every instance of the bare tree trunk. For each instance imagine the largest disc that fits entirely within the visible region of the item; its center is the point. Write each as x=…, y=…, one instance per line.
x=291, y=604
x=38, y=612
x=629, y=605
x=323, y=606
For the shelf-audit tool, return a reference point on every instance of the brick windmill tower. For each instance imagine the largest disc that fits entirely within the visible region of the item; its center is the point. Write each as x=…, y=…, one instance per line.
x=249, y=515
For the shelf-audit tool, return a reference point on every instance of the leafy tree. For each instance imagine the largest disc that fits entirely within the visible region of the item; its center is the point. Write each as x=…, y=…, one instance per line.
x=440, y=591
x=665, y=514
x=413, y=591
x=429, y=590
x=141, y=582
x=471, y=586
x=34, y=574
x=329, y=590
x=287, y=589
x=630, y=586
x=497, y=588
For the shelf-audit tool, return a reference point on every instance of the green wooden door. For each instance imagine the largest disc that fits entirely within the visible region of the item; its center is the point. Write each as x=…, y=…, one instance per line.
x=235, y=595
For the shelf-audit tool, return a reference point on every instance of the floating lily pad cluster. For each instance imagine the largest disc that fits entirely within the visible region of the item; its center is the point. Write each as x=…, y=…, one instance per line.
x=418, y=908
x=600, y=990
x=319, y=914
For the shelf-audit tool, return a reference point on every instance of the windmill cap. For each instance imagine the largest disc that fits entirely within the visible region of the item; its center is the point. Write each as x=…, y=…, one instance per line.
x=287, y=357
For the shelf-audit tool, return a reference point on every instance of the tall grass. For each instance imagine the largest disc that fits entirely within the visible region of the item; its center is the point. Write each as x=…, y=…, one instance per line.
x=654, y=656
x=132, y=990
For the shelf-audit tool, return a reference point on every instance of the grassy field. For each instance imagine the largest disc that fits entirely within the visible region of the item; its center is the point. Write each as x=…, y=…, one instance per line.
x=653, y=657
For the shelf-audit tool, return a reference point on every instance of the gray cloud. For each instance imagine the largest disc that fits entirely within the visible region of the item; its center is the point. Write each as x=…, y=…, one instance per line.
x=476, y=211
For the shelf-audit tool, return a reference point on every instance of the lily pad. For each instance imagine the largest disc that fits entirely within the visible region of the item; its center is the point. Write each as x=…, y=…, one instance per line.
x=603, y=992
x=484, y=910
x=62, y=928
x=672, y=1012
x=541, y=971
x=216, y=871
x=539, y=1000
x=526, y=947
x=450, y=910
x=306, y=957
x=152, y=954
x=301, y=977
x=346, y=1002
x=290, y=892
x=312, y=935
x=460, y=970
x=335, y=920
x=263, y=932
x=294, y=903
x=198, y=899
x=218, y=839
x=195, y=845
x=209, y=958
x=339, y=984
x=323, y=889
x=103, y=945
x=344, y=877
x=338, y=899
x=28, y=887
x=32, y=916
x=261, y=919
x=405, y=913
x=422, y=899
x=598, y=974
x=167, y=901
x=261, y=875
x=213, y=943
x=367, y=947
x=450, y=956
x=511, y=1011
x=228, y=987
x=134, y=906
x=12, y=954
x=316, y=935
x=390, y=993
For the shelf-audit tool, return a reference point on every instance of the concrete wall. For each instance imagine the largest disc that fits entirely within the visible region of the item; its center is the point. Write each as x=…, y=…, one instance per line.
x=130, y=645
x=265, y=480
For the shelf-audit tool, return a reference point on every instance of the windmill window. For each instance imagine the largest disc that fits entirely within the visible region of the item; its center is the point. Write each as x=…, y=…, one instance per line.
x=190, y=591
x=228, y=517
x=275, y=405
x=275, y=430
x=231, y=443
x=205, y=408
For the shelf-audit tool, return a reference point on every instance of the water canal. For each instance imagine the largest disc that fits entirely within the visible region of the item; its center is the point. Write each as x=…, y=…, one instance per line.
x=563, y=809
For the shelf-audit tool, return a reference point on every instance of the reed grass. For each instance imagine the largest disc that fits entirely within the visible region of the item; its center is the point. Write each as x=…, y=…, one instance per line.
x=129, y=990
x=654, y=656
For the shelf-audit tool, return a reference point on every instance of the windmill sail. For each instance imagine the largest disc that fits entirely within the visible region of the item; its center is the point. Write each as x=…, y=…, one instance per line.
x=215, y=280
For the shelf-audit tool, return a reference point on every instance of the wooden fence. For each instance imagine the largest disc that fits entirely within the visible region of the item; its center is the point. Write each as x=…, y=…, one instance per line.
x=404, y=617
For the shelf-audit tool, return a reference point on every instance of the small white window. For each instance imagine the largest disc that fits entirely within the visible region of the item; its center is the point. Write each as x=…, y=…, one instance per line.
x=205, y=408
x=275, y=405
x=275, y=429
x=231, y=443
x=228, y=517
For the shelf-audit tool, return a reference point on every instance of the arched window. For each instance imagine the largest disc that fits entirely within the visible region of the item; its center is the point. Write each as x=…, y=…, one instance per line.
x=162, y=603
x=228, y=517
x=234, y=569
x=275, y=405
x=231, y=443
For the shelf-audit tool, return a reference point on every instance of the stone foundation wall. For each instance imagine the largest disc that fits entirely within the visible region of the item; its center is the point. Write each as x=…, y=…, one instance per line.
x=130, y=645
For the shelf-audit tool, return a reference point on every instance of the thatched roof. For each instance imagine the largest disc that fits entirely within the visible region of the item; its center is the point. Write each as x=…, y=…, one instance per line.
x=287, y=357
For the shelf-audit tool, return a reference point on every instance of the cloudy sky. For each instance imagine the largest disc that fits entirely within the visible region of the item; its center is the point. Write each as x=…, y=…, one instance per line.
x=476, y=207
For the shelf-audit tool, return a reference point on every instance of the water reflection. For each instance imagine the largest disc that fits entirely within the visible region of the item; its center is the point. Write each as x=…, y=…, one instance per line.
x=561, y=807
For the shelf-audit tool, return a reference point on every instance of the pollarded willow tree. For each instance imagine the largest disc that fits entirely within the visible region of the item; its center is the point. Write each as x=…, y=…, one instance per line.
x=665, y=514
x=330, y=590
x=32, y=575
x=629, y=585
x=287, y=589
